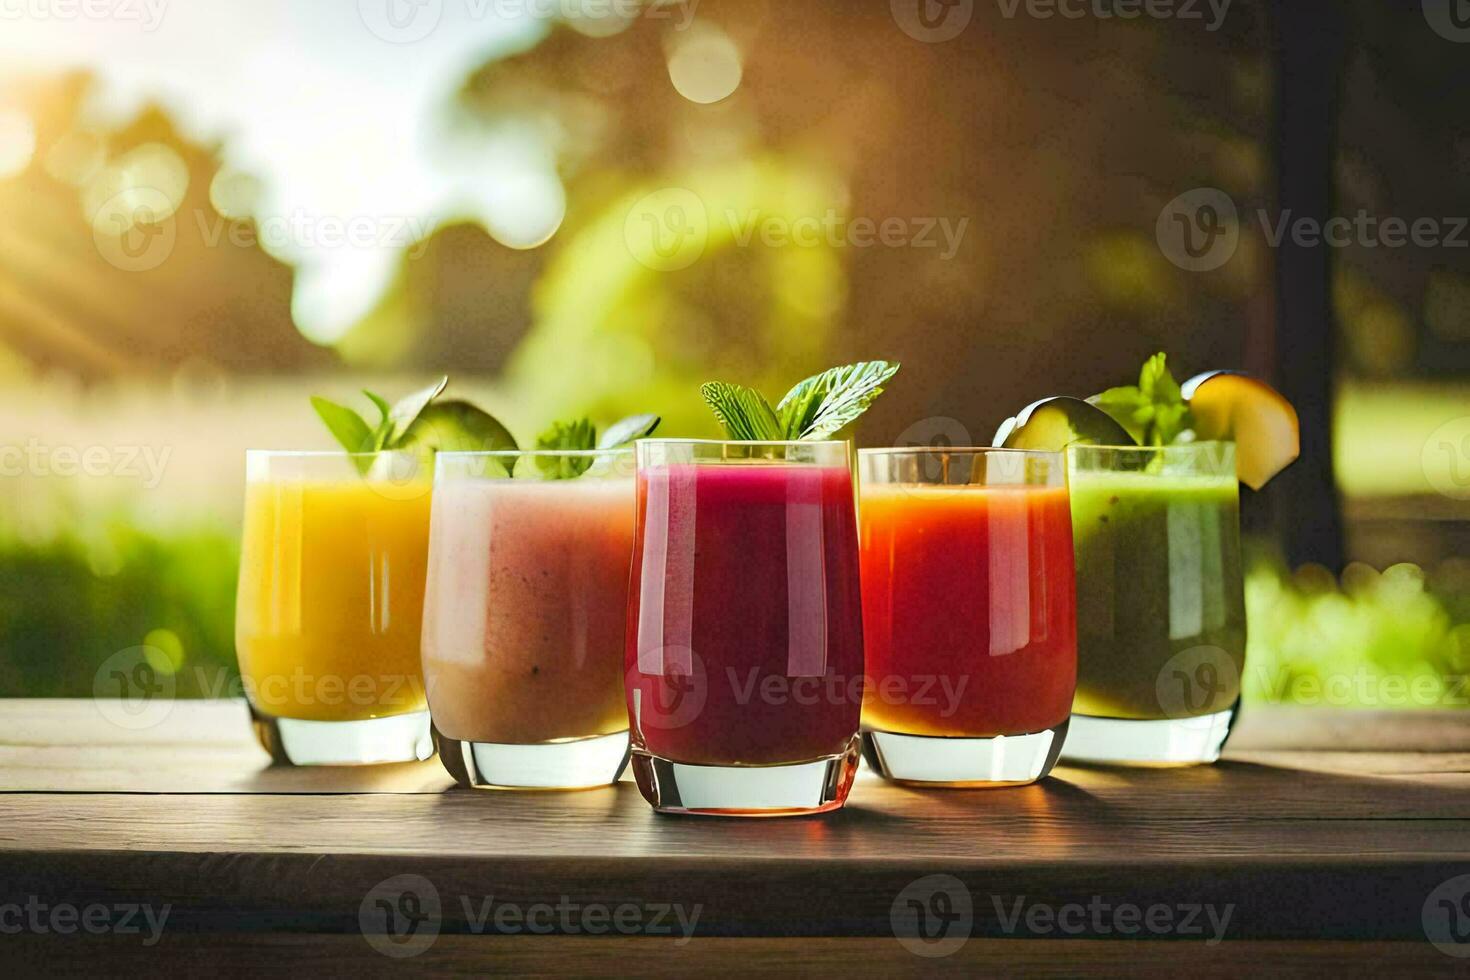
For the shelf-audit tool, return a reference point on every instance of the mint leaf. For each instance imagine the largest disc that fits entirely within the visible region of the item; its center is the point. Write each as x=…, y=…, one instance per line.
x=744, y=412
x=575, y=436
x=1154, y=413
x=407, y=411
x=348, y=428
x=628, y=430
x=826, y=403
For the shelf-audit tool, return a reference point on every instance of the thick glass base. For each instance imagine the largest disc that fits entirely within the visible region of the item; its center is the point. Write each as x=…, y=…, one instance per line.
x=581, y=763
x=1160, y=742
x=371, y=741
x=1005, y=760
x=747, y=791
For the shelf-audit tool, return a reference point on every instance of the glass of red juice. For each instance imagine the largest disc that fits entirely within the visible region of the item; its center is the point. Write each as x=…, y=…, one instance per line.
x=969, y=612
x=744, y=655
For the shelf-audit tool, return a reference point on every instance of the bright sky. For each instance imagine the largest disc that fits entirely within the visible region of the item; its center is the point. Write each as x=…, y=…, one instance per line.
x=331, y=102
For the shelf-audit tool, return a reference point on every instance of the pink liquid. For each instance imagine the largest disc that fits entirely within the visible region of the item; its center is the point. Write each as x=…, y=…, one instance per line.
x=744, y=629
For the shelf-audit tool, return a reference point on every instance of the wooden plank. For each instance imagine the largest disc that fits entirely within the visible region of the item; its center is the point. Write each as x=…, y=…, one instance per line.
x=332, y=955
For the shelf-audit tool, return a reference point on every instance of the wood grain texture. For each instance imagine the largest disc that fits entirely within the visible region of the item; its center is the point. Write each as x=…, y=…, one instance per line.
x=245, y=955
x=1314, y=847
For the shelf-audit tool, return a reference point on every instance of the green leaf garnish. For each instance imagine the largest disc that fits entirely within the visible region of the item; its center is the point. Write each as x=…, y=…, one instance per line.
x=823, y=405
x=406, y=411
x=1154, y=412
x=416, y=423
x=816, y=409
x=628, y=430
x=348, y=428
x=576, y=436
x=744, y=412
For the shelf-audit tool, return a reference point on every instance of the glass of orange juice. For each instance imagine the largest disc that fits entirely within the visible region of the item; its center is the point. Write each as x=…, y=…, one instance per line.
x=330, y=605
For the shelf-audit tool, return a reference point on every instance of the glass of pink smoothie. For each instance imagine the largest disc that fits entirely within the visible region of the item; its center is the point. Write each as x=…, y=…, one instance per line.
x=745, y=647
x=525, y=614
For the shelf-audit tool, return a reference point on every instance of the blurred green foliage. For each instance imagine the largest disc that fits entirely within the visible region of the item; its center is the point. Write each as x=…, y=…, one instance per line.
x=1399, y=638
x=74, y=600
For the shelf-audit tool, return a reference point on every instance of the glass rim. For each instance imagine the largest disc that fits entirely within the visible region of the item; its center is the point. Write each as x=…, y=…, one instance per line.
x=327, y=453
x=1171, y=447
x=532, y=453
x=742, y=442
x=957, y=450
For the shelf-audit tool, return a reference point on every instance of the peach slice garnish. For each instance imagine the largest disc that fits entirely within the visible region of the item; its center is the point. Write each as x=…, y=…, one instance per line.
x=1235, y=407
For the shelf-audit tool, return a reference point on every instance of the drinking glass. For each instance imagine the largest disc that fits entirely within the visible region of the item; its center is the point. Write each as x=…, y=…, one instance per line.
x=526, y=614
x=745, y=651
x=1160, y=602
x=330, y=603
x=969, y=614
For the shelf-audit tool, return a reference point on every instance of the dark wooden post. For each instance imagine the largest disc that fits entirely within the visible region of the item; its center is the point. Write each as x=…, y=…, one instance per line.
x=1310, y=39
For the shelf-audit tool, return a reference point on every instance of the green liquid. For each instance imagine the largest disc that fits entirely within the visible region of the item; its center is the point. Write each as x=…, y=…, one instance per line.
x=1160, y=602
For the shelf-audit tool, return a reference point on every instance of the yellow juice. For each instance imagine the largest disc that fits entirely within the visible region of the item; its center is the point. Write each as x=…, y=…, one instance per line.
x=331, y=598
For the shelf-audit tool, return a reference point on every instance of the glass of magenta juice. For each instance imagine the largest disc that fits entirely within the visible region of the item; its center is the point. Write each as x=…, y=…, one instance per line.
x=969, y=614
x=525, y=616
x=744, y=669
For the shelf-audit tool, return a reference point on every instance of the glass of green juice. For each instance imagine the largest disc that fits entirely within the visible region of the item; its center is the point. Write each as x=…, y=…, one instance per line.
x=1160, y=602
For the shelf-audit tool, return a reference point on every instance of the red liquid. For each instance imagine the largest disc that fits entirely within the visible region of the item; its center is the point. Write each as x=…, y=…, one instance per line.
x=969, y=609
x=745, y=638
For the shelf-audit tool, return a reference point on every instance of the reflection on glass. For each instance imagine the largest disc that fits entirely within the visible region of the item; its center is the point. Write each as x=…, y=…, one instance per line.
x=968, y=613
x=745, y=656
x=525, y=617
x=330, y=605
x=1160, y=601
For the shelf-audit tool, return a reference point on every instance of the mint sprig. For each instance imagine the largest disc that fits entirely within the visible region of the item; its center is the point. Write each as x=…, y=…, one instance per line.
x=1154, y=411
x=415, y=422
x=815, y=409
x=580, y=436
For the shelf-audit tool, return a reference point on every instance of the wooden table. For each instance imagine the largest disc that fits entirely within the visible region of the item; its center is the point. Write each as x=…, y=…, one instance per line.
x=1322, y=836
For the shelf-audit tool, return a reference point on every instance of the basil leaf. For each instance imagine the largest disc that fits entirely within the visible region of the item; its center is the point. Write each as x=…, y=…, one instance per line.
x=744, y=412
x=628, y=430
x=348, y=428
x=824, y=404
x=408, y=409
